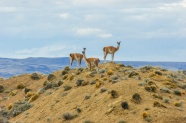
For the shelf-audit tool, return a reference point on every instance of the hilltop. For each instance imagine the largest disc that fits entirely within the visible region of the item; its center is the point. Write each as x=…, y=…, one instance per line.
x=10, y=67
x=117, y=94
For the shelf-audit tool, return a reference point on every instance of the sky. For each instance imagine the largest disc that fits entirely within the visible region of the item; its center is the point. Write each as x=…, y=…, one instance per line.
x=149, y=30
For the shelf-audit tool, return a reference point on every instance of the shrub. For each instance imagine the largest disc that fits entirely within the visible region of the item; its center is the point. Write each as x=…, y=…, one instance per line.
x=48, y=86
x=79, y=82
x=60, y=83
x=150, y=88
x=103, y=90
x=105, y=79
x=64, y=72
x=67, y=68
x=87, y=121
x=13, y=93
x=165, y=90
x=110, y=72
x=87, y=96
x=166, y=100
x=122, y=121
x=132, y=74
x=157, y=104
x=114, y=77
x=136, y=98
x=158, y=73
x=10, y=106
x=33, y=97
x=65, y=76
x=20, y=86
x=67, y=87
x=85, y=83
x=78, y=110
x=98, y=84
x=68, y=116
x=102, y=71
x=157, y=96
x=124, y=105
x=177, y=92
x=146, y=68
x=2, y=88
x=19, y=107
x=92, y=82
x=35, y=76
x=51, y=77
x=145, y=115
x=178, y=104
x=120, y=65
x=27, y=90
x=184, y=72
x=114, y=94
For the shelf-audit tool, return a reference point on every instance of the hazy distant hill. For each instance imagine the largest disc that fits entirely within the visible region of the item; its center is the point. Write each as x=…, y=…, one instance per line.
x=11, y=67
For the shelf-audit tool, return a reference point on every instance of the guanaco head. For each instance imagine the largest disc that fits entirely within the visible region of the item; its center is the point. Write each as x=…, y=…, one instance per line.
x=83, y=52
x=118, y=42
x=84, y=49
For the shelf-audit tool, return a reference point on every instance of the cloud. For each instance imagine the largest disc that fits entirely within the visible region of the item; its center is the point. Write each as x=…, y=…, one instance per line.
x=105, y=35
x=92, y=32
x=7, y=9
x=87, y=31
x=64, y=15
x=55, y=50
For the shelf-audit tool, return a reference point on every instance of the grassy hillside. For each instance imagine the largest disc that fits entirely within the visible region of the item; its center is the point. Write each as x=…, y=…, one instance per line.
x=118, y=94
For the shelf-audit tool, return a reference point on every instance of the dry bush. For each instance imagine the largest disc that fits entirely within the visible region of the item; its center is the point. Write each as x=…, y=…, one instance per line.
x=20, y=86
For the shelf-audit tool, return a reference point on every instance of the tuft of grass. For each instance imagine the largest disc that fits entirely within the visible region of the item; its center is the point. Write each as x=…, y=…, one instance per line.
x=105, y=79
x=13, y=93
x=10, y=106
x=110, y=72
x=178, y=104
x=70, y=78
x=64, y=77
x=98, y=84
x=33, y=97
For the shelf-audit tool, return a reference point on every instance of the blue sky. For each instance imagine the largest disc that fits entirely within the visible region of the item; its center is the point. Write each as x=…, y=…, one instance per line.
x=149, y=30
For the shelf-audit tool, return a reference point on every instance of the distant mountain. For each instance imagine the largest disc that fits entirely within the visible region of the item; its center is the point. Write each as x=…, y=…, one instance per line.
x=11, y=67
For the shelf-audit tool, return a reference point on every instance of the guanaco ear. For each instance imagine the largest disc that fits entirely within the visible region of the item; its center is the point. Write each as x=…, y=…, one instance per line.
x=84, y=49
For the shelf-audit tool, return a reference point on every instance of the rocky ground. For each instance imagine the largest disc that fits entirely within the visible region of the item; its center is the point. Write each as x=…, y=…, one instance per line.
x=117, y=94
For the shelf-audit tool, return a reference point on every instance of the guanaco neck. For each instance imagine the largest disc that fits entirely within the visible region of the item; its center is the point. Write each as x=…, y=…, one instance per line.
x=85, y=58
x=117, y=47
